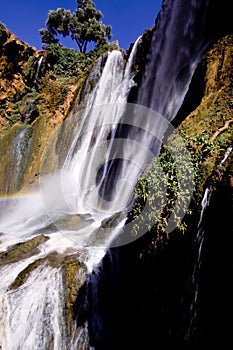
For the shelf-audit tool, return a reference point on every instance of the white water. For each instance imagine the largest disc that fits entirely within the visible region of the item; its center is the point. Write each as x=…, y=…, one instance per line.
x=42, y=321
x=197, y=268
x=32, y=315
x=177, y=45
x=74, y=189
x=82, y=162
x=38, y=69
x=16, y=164
x=199, y=241
x=226, y=156
x=19, y=149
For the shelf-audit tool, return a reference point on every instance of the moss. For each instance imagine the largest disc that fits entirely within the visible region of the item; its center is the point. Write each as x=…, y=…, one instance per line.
x=53, y=91
x=74, y=275
x=22, y=250
x=44, y=104
x=215, y=109
x=70, y=269
x=23, y=275
x=198, y=131
x=29, y=71
x=11, y=172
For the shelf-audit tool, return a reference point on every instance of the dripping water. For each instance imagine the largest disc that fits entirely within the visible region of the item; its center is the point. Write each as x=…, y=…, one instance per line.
x=199, y=243
x=20, y=149
x=38, y=69
x=197, y=268
x=17, y=163
x=226, y=156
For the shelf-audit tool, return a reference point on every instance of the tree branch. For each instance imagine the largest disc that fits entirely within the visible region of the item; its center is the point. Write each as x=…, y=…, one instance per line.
x=220, y=130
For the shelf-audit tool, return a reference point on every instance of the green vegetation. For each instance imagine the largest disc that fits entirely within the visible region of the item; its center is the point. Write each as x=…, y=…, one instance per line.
x=61, y=69
x=22, y=250
x=67, y=62
x=207, y=132
x=73, y=276
x=83, y=26
x=166, y=189
x=62, y=73
x=71, y=63
x=162, y=192
x=24, y=274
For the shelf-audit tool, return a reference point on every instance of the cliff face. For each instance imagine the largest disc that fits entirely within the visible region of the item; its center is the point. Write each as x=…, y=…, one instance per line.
x=34, y=100
x=207, y=112
x=158, y=271
x=153, y=282
x=39, y=97
x=14, y=76
x=38, y=90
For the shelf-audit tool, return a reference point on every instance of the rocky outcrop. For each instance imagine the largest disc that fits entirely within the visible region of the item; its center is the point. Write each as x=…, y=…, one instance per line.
x=156, y=275
x=32, y=100
x=15, y=76
x=206, y=115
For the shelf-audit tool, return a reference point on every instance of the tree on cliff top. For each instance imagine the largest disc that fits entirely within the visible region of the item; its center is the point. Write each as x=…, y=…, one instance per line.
x=83, y=26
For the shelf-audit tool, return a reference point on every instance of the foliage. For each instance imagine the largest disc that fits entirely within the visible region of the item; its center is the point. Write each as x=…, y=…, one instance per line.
x=197, y=131
x=71, y=63
x=83, y=26
x=206, y=155
x=54, y=90
x=65, y=62
x=29, y=71
x=165, y=189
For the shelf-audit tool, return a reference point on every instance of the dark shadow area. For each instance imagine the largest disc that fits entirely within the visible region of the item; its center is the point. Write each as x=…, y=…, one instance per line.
x=141, y=298
x=137, y=301
x=194, y=95
x=214, y=324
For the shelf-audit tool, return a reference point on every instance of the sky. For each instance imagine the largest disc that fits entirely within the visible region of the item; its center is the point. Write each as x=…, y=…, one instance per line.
x=128, y=18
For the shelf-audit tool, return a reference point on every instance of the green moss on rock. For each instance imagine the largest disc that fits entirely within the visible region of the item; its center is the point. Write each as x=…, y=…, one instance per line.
x=74, y=275
x=22, y=250
x=23, y=275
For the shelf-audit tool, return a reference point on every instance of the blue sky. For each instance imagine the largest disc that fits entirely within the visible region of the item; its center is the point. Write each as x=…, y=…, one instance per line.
x=129, y=19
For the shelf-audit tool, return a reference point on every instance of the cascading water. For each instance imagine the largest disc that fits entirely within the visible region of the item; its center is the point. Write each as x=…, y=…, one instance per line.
x=177, y=45
x=38, y=69
x=26, y=311
x=73, y=202
x=199, y=241
x=176, y=49
x=19, y=151
x=22, y=312
x=196, y=272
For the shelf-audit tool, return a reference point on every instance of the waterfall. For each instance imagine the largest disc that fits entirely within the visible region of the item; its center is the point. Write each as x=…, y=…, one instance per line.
x=18, y=150
x=41, y=321
x=199, y=242
x=38, y=69
x=226, y=156
x=32, y=315
x=92, y=190
x=196, y=272
x=177, y=45
x=98, y=123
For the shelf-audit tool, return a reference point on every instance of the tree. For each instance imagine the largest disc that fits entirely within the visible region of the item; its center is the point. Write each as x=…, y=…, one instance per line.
x=83, y=26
